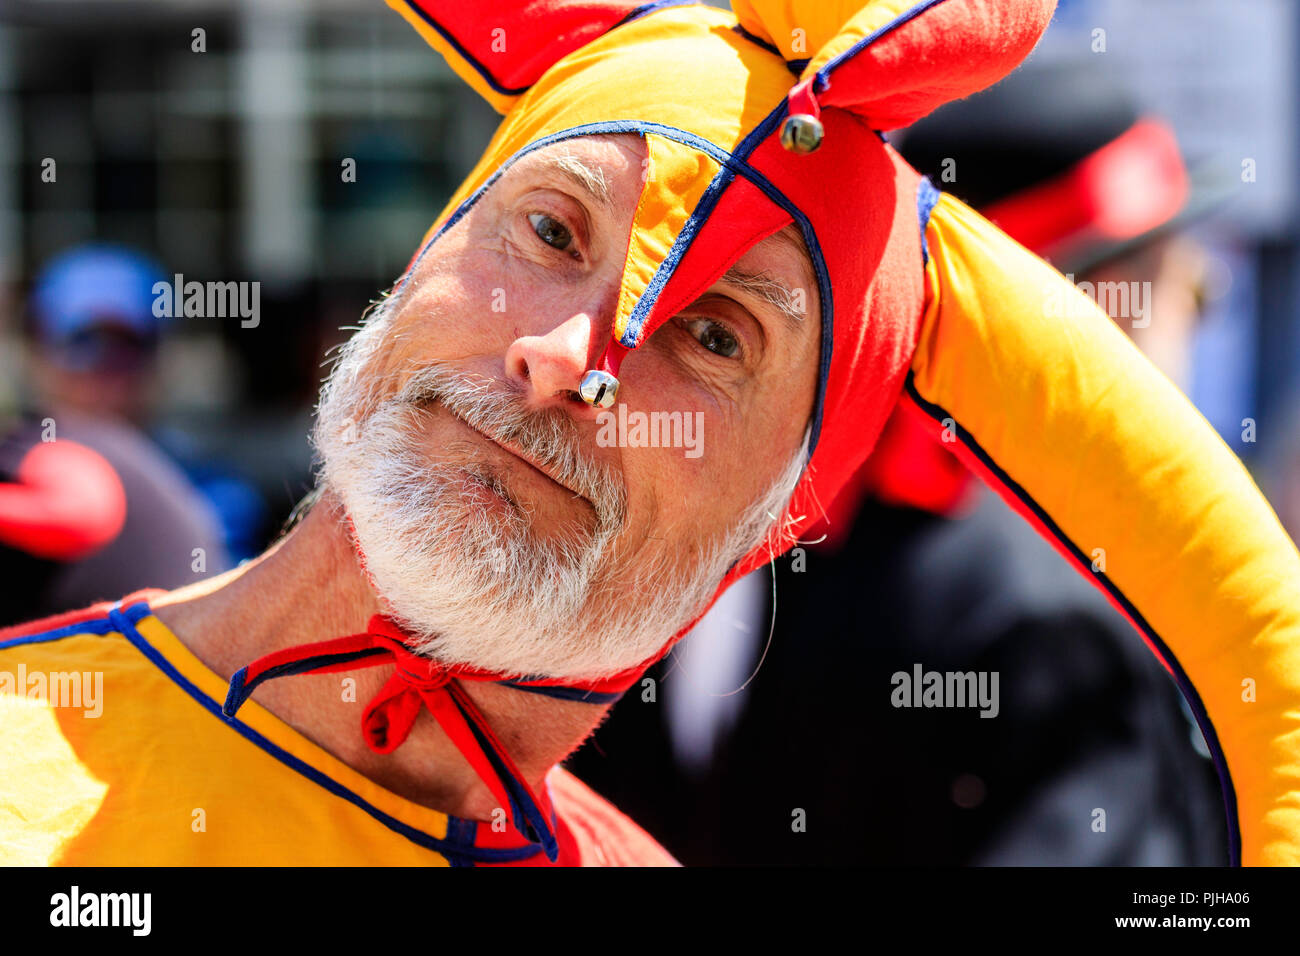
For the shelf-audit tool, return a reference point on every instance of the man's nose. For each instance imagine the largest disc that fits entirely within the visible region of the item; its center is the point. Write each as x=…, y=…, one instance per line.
x=550, y=364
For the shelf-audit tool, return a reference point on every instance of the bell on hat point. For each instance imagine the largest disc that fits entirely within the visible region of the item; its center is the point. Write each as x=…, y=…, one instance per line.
x=598, y=388
x=801, y=133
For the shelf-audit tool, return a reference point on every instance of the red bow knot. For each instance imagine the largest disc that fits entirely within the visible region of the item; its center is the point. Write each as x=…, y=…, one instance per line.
x=416, y=682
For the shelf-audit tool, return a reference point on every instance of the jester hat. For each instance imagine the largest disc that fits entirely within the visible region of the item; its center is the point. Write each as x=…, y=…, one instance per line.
x=773, y=115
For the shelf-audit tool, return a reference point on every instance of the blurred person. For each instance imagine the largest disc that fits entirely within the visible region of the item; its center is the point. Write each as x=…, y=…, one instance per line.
x=97, y=334
x=93, y=334
x=947, y=575
x=93, y=343
x=673, y=216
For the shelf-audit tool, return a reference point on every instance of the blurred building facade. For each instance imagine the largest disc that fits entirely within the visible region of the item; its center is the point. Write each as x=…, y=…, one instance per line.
x=302, y=146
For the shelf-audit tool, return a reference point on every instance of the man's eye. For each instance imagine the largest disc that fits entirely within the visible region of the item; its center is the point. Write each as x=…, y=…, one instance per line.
x=714, y=336
x=551, y=231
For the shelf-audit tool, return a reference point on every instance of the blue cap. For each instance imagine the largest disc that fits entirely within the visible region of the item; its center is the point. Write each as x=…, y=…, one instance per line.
x=96, y=284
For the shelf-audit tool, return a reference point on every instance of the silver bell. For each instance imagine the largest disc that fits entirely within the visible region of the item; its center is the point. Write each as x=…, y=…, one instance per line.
x=801, y=133
x=598, y=388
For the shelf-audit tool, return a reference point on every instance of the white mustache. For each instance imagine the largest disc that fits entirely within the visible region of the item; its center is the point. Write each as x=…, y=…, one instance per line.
x=549, y=437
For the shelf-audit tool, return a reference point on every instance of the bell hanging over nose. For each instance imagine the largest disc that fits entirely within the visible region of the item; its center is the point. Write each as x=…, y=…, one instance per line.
x=801, y=133
x=598, y=388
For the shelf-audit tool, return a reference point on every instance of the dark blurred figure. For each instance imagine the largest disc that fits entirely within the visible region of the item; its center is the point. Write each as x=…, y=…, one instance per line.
x=93, y=341
x=922, y=566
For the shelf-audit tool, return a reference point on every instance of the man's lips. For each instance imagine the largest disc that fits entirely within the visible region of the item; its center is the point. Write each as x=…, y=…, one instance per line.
x=517, y=452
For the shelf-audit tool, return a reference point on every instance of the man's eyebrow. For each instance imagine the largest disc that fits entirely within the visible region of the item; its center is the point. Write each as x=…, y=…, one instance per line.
x=762, y=286
x=590, y=179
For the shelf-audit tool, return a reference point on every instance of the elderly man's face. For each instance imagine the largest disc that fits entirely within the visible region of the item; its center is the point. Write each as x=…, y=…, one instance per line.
x=483, y=351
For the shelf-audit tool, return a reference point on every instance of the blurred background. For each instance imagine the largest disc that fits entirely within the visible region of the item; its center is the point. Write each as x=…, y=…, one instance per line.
x=308, y=146
x=220, y=156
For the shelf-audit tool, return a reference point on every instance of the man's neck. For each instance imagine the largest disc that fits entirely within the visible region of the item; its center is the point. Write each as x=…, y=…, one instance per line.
x=310, y=587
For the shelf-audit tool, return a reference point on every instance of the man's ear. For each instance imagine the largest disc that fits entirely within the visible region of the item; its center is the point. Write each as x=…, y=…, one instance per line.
x=893, y=61
x=501, y=48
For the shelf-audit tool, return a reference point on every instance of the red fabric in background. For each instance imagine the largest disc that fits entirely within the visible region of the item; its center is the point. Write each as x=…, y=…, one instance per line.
x=67, y=502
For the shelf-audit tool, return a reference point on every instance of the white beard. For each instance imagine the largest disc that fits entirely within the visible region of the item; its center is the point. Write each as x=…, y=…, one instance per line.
x=477, y=586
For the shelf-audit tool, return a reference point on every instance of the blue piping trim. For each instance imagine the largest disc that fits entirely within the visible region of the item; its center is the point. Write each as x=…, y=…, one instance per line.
x=465, y=55
x=94, y=625
x=126, y=625
x=647, y=8
x=522, y=810
x=566, y=693
x=926, y=197
x=241, y=688
x=823, y=75
x=794, y=66
x=461, y=831
x=1193, y=698
x=237, y=693
x=758, y=40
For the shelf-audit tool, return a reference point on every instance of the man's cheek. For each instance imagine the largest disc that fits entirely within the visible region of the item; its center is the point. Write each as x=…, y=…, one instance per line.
x=454, y=327
x=687, y=493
